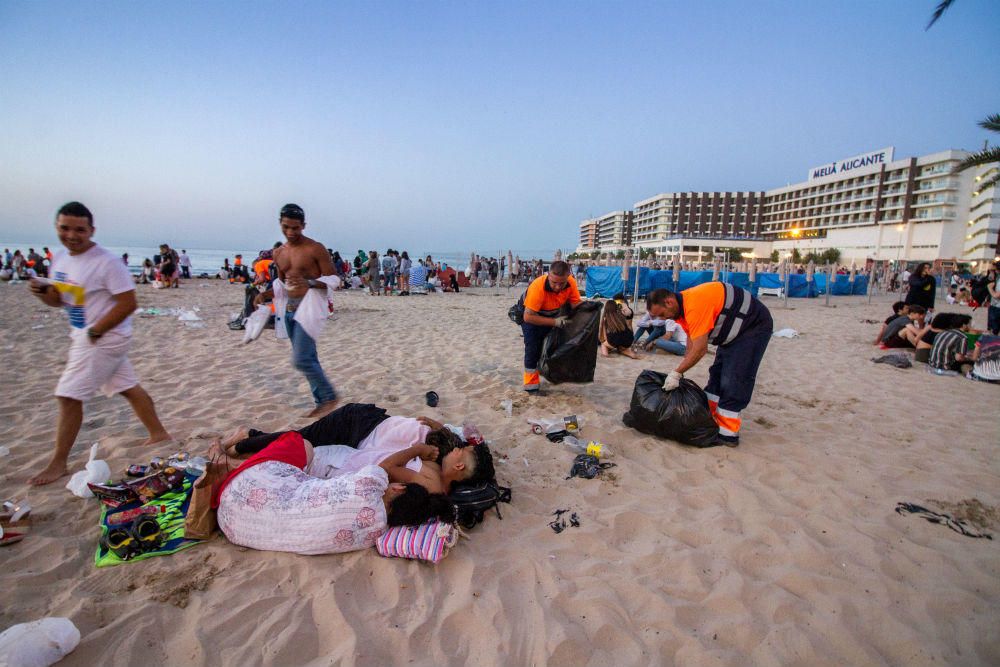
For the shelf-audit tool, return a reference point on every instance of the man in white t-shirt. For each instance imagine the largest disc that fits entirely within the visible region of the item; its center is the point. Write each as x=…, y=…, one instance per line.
x=185, y=263
x=98, y=294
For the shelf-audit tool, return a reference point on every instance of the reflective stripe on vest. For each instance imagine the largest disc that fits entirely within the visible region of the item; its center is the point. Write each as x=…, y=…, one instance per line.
x=730, y=320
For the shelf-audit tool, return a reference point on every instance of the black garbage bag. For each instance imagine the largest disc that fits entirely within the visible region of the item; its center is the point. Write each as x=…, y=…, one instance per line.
x=681, y=414
x=570, y=354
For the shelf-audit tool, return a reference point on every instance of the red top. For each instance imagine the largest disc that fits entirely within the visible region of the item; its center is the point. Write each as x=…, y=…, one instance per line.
x=289, y=448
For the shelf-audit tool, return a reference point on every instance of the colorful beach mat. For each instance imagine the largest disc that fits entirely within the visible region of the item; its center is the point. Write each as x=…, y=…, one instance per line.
x=171, y=524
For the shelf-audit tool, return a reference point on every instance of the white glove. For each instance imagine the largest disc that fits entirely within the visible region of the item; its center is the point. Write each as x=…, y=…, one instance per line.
x=561, y=321
x=672, y=381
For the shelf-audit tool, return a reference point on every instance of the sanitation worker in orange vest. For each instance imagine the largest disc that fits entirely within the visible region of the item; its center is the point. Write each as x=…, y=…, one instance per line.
x=543, y=302
x=739, y=324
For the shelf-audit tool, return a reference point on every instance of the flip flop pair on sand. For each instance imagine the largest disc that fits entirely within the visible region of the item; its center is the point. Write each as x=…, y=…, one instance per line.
x=14, y=521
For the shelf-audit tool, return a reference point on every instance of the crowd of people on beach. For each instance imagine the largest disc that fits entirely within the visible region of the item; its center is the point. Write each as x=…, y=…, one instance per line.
x=403, y=468
x=946, y=341
x=19, y=266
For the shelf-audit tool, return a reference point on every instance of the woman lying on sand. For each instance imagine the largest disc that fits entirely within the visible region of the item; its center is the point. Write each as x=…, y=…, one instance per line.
x=375, y=435
x=272, y=503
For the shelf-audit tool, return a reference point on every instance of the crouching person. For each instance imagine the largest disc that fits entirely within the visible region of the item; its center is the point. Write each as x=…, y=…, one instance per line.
x=734, y=320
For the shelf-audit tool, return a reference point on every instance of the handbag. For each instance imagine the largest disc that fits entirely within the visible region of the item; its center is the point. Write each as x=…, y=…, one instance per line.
x=200, y=522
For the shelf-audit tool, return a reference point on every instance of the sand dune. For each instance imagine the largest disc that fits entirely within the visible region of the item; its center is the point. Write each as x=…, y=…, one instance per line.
x=785, y=551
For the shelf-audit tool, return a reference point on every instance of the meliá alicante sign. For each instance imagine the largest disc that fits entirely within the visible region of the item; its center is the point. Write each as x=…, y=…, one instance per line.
x=873, y=159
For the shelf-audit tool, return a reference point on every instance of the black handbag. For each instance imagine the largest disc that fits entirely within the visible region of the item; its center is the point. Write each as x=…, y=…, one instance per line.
x=473, y=500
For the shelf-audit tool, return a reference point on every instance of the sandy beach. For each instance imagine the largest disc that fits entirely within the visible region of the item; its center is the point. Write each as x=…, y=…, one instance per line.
x=785, y=551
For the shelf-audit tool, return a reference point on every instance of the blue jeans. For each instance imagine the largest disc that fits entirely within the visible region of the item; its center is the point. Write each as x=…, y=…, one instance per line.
x=654, y=333
x=993, y=319
x=671, y=346
x=306, y=361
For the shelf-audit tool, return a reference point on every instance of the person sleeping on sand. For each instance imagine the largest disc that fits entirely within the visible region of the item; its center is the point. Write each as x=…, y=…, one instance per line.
x=374, y=435
x=272, y=503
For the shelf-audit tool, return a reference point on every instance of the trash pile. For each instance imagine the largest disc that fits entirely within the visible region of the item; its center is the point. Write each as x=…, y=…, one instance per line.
x=587, y=463
x=189, y=316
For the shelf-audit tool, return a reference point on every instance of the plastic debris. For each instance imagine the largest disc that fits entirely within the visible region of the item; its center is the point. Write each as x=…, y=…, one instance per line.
x=96, y=472
x=786, y=333
x=38, y=644
x=508, y=406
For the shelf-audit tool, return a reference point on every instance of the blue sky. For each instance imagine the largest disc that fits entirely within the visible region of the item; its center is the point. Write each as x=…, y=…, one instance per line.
x=458, y=125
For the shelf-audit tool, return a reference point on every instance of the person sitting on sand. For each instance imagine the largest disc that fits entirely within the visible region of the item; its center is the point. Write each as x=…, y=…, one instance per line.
x=941, y=322
x=899, y=309
x=951, y=346
x=375, y=435
x=649, y=326
x=904, y=332
x=273, y=503
x=615, y=331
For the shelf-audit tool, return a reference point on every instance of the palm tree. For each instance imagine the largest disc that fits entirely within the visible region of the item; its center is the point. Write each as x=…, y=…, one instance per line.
x=938, y=11
x=985, y=156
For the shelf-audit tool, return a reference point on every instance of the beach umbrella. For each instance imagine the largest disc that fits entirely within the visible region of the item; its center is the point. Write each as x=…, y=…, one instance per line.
x=677, y=271
x=558, y=255
x=753, y=272
x=715, y=270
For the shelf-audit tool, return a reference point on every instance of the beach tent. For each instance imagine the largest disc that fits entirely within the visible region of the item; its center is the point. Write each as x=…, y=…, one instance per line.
x=604, y=281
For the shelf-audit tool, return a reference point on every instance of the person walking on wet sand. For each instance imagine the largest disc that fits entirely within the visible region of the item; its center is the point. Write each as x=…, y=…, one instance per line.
x=303, y=264
x=97, y=291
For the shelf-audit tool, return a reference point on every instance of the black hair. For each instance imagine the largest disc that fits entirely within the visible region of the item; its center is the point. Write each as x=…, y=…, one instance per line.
x=658, y=296
x=76, y=210
x=445, y=440
x=416, y=505
x=620, y=295
x=960, y=321
x=293, y=212
x=483, y=470
x=917, y=309
x=898, y=306
x=943, y=321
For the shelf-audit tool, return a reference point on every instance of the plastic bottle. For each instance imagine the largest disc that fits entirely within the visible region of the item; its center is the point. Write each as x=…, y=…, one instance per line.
x=598, y=449
x=196, y=465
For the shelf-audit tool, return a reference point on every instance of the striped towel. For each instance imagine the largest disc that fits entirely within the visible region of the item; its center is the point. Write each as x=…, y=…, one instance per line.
x=429, y=541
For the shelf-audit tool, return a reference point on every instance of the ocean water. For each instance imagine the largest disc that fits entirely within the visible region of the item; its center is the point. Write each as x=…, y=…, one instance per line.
x=209, y=261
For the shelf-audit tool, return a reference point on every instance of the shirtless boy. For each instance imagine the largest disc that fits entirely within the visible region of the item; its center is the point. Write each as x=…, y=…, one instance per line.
x=301, y=261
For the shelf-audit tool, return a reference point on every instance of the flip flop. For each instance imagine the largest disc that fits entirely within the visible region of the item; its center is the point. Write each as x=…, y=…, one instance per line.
x=14, y=511
x=9, y=536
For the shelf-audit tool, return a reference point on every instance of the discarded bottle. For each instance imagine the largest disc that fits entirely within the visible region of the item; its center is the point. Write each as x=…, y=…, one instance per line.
x=196, y=466
x=598, y=449
x=471, y=434
x=570, y=423
x=130, y=515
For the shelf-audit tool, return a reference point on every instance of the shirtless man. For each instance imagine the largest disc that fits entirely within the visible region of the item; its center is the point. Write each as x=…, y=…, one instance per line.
x=301, y=261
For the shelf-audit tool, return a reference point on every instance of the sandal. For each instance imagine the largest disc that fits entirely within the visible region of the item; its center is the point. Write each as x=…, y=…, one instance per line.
x=14, y=511
x=8, y=536
x=146, y=533
x=119, y=541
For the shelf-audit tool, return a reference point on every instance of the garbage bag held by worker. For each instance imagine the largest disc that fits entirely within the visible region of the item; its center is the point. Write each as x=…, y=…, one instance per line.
x=681, y=414
x=570, y=354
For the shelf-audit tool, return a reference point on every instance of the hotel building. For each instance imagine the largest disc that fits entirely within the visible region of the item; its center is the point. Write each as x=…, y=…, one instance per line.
x=869, y=207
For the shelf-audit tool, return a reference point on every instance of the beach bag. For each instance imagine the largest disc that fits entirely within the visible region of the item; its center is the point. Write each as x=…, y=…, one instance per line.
x=200, y=522
x=427, y=542
x=570, y=354
x=516, y=312
x=681, y=414
x=473, y=500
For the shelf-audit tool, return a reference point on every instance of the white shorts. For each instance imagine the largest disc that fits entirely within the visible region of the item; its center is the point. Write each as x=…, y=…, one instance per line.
x=99, y=366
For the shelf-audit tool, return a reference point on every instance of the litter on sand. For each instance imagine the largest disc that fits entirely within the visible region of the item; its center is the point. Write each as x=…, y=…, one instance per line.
x=786, y=333
x=897, y=360
x=951, y=522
